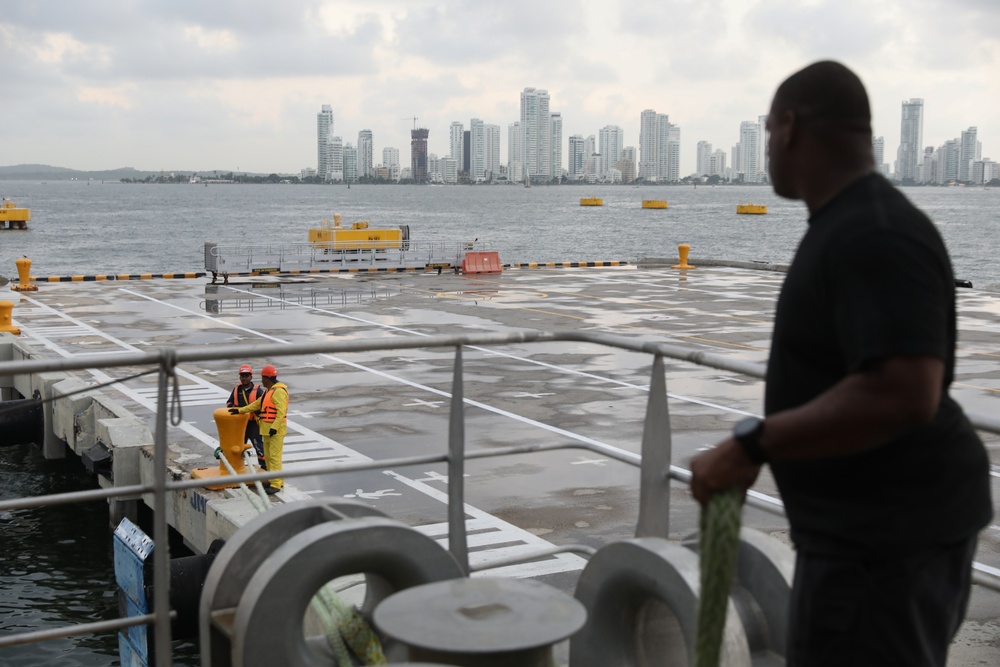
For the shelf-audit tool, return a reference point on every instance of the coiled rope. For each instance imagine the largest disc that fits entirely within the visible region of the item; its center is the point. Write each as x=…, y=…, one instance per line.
x=719, y=543
x=345, y=628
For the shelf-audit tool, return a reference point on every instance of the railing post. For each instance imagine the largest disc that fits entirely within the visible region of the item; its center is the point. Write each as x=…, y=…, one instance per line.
x=161, y=546
x=457, y=544
x=654, y=476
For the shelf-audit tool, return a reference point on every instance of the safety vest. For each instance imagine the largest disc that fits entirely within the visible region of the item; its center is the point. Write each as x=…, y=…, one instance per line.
x=268, y=411
x=248, y=396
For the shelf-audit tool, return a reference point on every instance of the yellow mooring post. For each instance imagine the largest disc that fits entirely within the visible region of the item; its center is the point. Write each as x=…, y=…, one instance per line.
x=232, y=430
x=23, y=276
x=682, y=251
x=6, y=326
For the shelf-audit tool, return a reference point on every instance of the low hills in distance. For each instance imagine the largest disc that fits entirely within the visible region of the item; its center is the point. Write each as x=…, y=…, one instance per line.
x=44, y=172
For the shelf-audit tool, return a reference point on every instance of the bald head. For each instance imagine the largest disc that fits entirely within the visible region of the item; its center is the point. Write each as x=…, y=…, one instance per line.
x=826, y=94
x=820, y=133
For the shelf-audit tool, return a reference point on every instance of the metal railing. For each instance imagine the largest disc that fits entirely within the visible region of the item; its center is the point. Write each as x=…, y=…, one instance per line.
x=656, y=470
x=304, y=257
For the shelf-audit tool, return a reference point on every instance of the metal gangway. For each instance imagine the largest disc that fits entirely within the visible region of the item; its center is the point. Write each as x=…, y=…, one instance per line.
x=343, y=256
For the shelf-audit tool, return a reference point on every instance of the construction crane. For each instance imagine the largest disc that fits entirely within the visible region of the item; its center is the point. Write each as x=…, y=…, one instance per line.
x=414, y=120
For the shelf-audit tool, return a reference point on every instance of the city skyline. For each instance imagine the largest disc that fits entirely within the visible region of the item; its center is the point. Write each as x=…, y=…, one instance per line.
x=535, y=149
x=238, y=86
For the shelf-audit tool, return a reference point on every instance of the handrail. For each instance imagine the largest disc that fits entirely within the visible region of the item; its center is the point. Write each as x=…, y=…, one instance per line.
x=653, y=501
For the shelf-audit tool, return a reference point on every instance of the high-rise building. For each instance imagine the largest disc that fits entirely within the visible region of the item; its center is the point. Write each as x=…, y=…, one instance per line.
x=703, y=158
x=492, y=133
x=762, y=159
x=878, y=152
x=515, y=159
x=335, y=170
x=350, y=163
x=366, y=164
x=969, y=154
x=418, y=154
x=449, y=170
x=390, y=160
x=928, y=166
x=611, y=140
x=659, y=147
x=674, y=154
x=536, y=124
x=628, y=163
x=456, y=139
x=434, y=169
x=662, y=147
x=477, y=150
x=749, y=152
x=556, y=142
x=577, y=157
x=952, y=155
x=324, y=128
x=911, y=140
x=717, y=164
x=466, y=152
x=648, y=143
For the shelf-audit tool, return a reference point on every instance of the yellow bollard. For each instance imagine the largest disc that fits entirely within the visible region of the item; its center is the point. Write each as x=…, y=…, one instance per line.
x=6, y=326
x=232, y=430
x=683, y=249
x=23, y=276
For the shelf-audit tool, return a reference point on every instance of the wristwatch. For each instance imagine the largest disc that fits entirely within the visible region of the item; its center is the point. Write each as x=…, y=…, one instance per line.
x=748, y=432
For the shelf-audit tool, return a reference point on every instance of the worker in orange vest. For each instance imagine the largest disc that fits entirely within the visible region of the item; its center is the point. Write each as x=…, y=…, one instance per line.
x=245, y=393
x=273, y=408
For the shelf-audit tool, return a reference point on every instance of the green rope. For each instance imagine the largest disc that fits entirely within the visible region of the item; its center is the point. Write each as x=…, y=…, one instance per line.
x=719, y=543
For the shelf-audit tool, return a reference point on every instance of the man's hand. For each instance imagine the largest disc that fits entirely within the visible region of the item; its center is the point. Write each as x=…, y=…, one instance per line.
x=724, y=466
x=273, y=431
x=234, y=411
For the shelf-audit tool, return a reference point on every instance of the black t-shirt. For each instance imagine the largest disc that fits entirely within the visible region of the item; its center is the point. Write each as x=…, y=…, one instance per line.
x=872, y=280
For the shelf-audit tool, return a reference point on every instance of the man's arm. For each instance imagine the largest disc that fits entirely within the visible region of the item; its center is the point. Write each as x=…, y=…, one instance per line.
x=863, y=411
x=252, y=407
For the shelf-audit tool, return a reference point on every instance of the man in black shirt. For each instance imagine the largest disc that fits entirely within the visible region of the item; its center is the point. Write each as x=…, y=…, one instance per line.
x=885, y=482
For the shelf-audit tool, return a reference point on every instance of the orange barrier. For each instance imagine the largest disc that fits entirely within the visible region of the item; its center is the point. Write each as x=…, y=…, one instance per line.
x=482, y=262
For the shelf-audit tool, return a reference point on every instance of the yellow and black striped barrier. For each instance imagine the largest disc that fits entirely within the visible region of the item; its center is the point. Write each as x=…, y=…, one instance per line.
x=116, y=276
x=565, y=265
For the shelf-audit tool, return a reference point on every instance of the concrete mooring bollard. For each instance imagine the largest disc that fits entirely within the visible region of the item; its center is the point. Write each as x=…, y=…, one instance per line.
x=232, y=431
x=482, y=622
x=682, y=251
x=23, y=276
x=6, y=318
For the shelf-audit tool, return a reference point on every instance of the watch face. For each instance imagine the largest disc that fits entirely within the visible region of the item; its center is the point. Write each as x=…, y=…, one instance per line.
x=746, y=428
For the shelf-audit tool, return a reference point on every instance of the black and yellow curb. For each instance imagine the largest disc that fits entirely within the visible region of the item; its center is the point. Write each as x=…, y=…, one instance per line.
x=565, y=265
x=307, y=272
x=115, y=276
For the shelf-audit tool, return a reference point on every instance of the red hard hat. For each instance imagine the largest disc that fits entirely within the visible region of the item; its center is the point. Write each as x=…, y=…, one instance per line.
x=245, y=368
x=269, y=371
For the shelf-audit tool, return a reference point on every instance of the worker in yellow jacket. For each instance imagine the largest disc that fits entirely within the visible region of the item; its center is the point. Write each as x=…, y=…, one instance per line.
x=273, y=409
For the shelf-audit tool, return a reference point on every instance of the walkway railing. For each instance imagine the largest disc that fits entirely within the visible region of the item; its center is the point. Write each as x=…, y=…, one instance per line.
x=656, y=469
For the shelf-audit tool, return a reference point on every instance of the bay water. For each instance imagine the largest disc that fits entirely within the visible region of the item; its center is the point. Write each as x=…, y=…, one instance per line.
x=55, y=563
x=90, y=227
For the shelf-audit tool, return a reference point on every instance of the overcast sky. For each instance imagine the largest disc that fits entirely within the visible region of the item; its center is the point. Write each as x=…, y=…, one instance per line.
x=226, y=84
